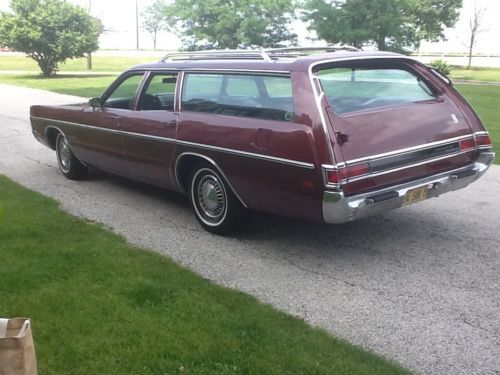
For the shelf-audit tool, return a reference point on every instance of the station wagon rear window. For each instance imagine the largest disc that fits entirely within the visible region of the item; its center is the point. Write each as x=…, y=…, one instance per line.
x=255, y=96
x=355, y=89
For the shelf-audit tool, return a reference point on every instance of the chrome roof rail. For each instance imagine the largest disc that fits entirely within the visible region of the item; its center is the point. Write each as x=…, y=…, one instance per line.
x=242, y=54
x=302, y=51
x=218, y=55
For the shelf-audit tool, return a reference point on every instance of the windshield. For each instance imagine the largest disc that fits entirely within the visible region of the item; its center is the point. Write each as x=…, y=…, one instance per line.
x=354, y=89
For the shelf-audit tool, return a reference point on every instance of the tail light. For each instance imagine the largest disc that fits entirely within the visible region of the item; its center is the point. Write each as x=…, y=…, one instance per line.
x=483, y=141
x=467, y=144
x=337, y=176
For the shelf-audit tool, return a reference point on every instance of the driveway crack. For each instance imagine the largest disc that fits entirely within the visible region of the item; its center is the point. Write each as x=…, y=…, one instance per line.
x=325, y=275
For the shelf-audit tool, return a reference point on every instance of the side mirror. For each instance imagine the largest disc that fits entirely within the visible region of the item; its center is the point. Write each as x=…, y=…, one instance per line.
x=95, y=102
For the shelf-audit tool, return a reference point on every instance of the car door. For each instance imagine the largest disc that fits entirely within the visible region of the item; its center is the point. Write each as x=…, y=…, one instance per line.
x=102, y=134
x=246, y=124
x=149, y=132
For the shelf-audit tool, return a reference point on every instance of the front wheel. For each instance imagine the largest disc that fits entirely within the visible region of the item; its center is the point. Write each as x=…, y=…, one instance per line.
x=69, y=165
x=214, y=204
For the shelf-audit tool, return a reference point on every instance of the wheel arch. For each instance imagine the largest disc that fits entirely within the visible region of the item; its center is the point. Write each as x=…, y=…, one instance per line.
x=185, y=163
x=51, y=136
x=51, y=133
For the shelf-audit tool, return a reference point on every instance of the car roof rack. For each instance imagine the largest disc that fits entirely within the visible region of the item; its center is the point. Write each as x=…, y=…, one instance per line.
x=241, y=54
x=304, y=51
x=218, y=55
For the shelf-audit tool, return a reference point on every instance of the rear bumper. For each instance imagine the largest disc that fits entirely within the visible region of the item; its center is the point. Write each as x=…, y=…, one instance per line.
x=339, y=209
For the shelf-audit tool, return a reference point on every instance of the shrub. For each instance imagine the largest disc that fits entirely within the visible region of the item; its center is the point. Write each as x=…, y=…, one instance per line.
x=49, y=31
x=442, y=67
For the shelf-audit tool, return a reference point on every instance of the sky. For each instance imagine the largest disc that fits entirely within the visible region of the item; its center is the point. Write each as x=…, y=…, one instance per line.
x=118, y=17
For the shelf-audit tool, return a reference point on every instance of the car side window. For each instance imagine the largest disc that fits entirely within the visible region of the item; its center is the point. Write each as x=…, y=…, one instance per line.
x=159, y=93
x=201, y=87
x=239, y=95
x=123, y=95
x=242, y=86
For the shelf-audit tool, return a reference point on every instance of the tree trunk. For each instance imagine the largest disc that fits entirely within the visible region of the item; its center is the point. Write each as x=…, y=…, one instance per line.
x=89, y=60
x=471, y=47
x=154, y=40
x=47, y=67
x=381, y=43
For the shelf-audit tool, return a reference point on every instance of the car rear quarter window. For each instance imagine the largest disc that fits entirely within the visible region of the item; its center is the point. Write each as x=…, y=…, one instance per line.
x=242, y=86
x=356, y=89
x=277, y=87
x=254, y=96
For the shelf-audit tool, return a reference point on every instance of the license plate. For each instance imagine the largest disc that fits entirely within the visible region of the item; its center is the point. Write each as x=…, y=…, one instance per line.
x=415, y=195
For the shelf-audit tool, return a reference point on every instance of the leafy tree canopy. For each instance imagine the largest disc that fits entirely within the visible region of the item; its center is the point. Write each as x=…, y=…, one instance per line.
x=233, y=23
x=49, y=31
x=155, y=19
x=389, y=24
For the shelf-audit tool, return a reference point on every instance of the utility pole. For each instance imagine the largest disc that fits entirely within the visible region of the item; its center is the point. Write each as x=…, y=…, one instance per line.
x=89, y=54
x=137, y=22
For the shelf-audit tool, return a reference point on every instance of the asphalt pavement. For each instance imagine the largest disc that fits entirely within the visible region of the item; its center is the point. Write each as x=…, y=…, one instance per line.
x=419, y=285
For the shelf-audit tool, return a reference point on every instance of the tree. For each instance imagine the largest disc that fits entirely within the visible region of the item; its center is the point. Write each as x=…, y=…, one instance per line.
x=48, y=31
x=233, y=23
x=155, y=19
x=475, y=27
x=100, y=29
x=389, y=24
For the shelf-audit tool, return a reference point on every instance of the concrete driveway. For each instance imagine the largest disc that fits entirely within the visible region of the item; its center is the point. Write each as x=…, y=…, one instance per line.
x=419, y=285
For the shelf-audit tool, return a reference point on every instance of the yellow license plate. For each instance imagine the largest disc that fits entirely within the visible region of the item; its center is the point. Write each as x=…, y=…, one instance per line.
x=415, y=195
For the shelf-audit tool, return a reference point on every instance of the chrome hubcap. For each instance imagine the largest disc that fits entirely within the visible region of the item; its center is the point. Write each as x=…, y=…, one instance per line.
x=211, y=198
x=64, y=153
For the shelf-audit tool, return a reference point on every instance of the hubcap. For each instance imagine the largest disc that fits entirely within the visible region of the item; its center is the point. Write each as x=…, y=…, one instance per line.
x=64, y=153
x=211, y=198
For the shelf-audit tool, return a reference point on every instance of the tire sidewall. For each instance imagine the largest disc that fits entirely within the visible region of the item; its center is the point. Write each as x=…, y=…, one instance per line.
x=76, y=170
x=61, y=168
x=232, y=207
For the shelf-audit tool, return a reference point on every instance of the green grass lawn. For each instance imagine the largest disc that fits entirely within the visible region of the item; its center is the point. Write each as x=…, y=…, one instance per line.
x=476, y=74
x=86, y=86
x=486, y=102
x=99, y=63
x=101, y=306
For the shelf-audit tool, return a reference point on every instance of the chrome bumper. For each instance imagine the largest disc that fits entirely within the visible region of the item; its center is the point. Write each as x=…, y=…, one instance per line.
x=339, y=209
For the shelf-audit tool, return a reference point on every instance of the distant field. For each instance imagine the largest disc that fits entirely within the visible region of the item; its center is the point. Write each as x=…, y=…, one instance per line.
x=119, y=64
x=99, y=63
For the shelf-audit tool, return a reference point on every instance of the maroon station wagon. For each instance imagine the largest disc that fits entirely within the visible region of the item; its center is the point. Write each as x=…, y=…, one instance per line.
x=330, y=137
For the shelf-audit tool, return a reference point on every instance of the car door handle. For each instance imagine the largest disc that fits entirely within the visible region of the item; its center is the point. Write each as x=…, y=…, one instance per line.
x=172, y=123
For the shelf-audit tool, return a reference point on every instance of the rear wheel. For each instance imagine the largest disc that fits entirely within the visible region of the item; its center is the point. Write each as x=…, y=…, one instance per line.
x=69, y=165
x=214, y=204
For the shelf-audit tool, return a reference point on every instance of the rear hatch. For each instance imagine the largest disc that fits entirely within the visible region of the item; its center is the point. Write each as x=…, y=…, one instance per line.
x=391, y=124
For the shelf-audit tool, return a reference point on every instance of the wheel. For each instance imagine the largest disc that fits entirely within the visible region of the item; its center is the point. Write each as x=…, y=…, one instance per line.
x=214, y=204
x=69, y=165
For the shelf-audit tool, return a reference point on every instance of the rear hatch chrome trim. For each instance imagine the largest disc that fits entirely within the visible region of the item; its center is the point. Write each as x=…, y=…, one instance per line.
x=398, y=160
x=413, y=148
x=337, y=208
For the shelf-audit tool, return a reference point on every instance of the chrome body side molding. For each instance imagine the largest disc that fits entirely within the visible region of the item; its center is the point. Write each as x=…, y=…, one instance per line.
x=275, y=159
